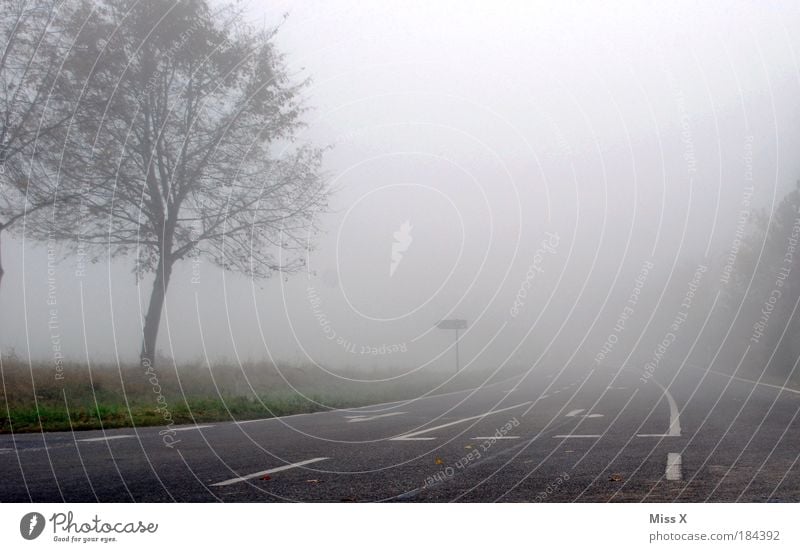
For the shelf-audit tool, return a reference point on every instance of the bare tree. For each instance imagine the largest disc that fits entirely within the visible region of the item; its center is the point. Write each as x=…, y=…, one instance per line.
x=31, y=107
x=184, y=145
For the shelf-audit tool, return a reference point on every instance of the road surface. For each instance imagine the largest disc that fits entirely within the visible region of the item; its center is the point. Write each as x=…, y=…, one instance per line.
x=593, y=435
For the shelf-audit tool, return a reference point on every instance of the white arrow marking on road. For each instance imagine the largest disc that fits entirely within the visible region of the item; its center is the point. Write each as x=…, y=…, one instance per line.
x=674, y=417
x=266, y=472
x=673, y=471
x=368, y=418
x=109, y=438
x=410, y=436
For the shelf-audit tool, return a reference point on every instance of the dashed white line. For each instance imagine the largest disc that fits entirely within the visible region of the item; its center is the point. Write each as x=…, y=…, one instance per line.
x=413, y=435
x=266, y=472
x=189, y=428
x=368, y=418
x=108, y=438
x=673, y=471
x=573, y=413
x=572, y=436
x=496, y=437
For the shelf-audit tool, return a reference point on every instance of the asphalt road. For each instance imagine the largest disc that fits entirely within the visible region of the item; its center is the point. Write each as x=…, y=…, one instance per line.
x=560, y=436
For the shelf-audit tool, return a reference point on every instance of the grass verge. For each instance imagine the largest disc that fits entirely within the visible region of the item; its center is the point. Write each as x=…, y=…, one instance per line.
x=36, y=397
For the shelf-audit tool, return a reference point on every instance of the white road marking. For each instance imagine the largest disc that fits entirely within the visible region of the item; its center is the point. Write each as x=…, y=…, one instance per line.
x=674, y=414
x=240, y=422
x=266, y=472
x=408, y=436
x=673, y=471
x=573, y=413
x=109, y=438
x=781, y=387
x=495, y=437
x=368, y=418
x=189, y=428
x=573, y=436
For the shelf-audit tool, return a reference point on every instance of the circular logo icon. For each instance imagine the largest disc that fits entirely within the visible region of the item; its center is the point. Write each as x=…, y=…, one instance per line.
x=31, y=525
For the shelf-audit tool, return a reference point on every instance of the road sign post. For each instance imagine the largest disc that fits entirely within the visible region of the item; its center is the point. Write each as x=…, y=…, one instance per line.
x=453, y=324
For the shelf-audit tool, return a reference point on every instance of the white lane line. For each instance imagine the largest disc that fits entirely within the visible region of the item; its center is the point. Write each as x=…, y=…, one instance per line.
x=655, y=435
x=723, y=374
x=573, y=436
x=267, y=472
x=573, y=413
x=240, y=422
x=674, y=414
x=109, y=438
x=495, y=437
x=409, y=436
x=189, y=428
x=673, y=471
x=368, y=418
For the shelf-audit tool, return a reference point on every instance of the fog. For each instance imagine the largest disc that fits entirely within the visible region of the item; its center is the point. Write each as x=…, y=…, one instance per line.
x=528, y=168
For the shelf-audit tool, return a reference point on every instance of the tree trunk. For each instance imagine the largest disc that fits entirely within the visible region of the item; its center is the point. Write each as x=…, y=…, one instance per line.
x=153, y=317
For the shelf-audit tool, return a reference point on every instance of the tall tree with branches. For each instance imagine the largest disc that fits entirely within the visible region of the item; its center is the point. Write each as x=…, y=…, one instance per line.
x=186, y=144
x=32, y=107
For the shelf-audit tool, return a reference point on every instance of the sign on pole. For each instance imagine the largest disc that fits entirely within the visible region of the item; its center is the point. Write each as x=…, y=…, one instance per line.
x=453, y=324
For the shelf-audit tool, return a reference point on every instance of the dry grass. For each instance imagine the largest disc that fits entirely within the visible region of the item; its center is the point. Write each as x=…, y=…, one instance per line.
x=33, y=399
